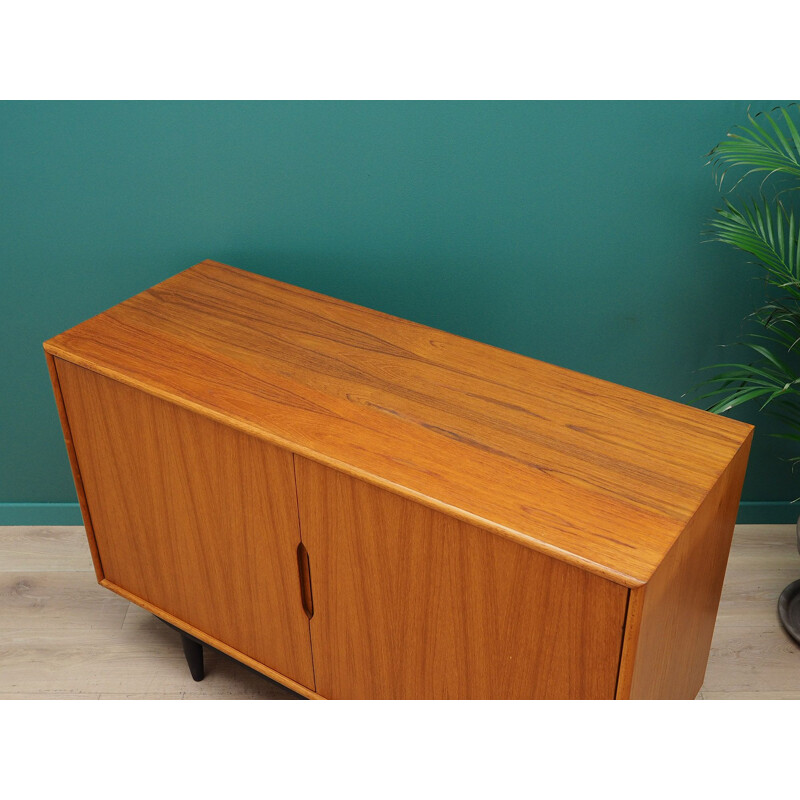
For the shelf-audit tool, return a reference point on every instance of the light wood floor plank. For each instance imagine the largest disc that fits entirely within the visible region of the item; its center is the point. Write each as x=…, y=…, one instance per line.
x=141, y=696
x=89, y=660
x=754, y=539
x=750, y=596
x=48, y=600
x=752, y=659
x=49, y=696
x=58, y=549
x=752, y=695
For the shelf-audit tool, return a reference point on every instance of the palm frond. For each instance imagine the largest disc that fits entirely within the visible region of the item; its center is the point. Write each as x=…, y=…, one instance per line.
x=767, y=232
x=761, y=146
x=768, y=229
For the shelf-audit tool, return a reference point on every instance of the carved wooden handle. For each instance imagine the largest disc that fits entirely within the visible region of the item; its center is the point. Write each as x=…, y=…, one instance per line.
x=304, y=567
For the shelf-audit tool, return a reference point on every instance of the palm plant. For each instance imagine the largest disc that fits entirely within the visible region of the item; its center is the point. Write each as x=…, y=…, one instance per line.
x=766, y=228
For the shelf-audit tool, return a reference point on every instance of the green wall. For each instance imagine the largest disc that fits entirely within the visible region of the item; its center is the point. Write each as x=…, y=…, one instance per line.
x=567, y=231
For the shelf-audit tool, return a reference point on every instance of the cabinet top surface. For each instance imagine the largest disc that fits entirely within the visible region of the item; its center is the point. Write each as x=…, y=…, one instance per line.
x=593, y=473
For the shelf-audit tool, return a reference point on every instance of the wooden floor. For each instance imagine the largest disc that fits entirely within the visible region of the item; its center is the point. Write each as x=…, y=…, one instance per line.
x=63, y=636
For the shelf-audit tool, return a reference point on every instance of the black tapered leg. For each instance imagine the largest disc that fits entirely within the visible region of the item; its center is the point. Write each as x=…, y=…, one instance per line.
x=193, y=651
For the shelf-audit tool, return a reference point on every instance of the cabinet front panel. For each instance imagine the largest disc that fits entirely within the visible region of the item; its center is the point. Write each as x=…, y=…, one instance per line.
x=193, y=517
x=411, y=603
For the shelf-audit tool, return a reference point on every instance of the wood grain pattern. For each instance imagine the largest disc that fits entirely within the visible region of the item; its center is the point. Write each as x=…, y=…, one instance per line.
x=751, y=656
x=410, y=603
x=193, y=518
x=73, y=463
x=671, y=620
x=595, y=474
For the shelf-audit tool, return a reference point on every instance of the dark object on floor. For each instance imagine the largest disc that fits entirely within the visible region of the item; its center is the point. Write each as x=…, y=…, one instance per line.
x=193, y=650
x=789, y=610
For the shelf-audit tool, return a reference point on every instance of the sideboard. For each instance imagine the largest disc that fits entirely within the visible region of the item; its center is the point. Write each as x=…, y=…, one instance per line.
x=359, y=506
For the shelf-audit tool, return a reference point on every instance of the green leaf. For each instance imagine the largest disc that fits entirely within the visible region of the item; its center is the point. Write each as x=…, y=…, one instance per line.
x=757, y=147
x=757, y=130
x=782, y=139
x=763, y=351
x=792, y=129
x=745, y=371
x=767, y=228
x=737, y=399
x=752, y=229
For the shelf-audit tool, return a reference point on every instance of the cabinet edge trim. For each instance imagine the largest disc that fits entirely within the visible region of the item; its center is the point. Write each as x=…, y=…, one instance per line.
x=74, y=466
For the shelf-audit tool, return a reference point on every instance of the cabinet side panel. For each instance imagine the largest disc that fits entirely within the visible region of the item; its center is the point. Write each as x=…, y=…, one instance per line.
x=410, y=603
x=73, y=463
x=671, y=619
x=195, y=518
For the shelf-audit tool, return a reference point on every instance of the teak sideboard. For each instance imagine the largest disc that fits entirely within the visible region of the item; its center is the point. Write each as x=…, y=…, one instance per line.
x=359, y=506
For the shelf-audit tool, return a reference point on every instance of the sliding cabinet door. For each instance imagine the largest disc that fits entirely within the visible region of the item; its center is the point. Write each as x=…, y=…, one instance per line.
x=193, y=517
x=410, y=603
